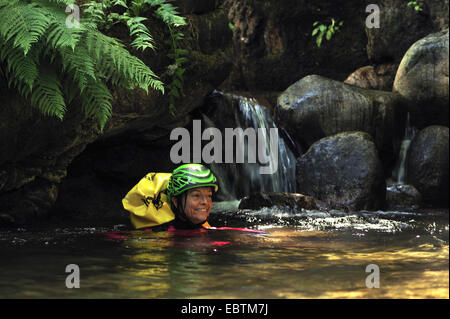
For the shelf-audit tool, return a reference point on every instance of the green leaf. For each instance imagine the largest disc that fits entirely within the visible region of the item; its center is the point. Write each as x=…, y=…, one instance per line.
x=319, y=40
x=179, y=72
x=120, y=3
x=96, y=102
x=23, y=22
x=181, y=51
x=174, y=92
x=180, y=61
x=47, y=95
x=51, y=63
x=177, y=83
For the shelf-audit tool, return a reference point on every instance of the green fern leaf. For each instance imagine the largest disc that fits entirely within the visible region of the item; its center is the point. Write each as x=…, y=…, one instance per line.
x=96, y=102
x=47, y=95
x=79, y=64
x=23, y=69
x=23, y=22
x=119, y=63
x=50, y=63
x=167, y=13
x=59, y=34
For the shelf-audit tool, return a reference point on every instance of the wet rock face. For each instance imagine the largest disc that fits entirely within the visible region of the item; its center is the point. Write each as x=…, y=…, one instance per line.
x=438, y=12
x=422, y=78
x=316, y=107
x=399, y=24
x=269, y=199
x=427, y=164
x=402, y=196
x=343, y=171
x=33, y=159
x=273, y=46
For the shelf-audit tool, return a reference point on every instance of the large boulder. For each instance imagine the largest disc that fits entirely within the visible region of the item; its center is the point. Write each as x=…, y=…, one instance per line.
x=316, y=107
x=422, y=78
x=427, y=164
x=344, y=171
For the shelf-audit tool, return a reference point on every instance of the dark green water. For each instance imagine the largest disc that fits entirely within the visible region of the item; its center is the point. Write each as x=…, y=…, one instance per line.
x=316, y=255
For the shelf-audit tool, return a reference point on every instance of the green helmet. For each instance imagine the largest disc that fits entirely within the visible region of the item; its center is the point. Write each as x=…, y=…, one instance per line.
x=189, y=176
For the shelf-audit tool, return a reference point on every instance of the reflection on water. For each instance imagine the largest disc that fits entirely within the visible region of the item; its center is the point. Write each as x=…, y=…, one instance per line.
x=326, y=260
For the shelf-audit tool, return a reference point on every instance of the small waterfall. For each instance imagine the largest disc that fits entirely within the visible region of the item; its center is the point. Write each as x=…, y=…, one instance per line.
x=240, y=179
x=399, y=174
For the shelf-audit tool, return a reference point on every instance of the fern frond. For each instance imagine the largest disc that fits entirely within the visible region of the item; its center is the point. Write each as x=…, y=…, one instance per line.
x=93, y=14
x=22, y=68
x=143, y=38
x=59, y=34
x=47, y=95
x=96, y=102
x=5, y=3
x=79, y=65
x=167, y=13
x=117, y=62
x=23, y=22
x=50, y=62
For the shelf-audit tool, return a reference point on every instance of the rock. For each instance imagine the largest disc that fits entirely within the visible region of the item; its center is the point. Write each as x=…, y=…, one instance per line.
x=438, y=12
x=196, y=6
x=427, y=164
x=401, y=196
x=375, y=78
x=273, y=46
x=35, y=152
x=422, y=78
x=400, y=27
x=344, y=171
x=365, y=77
x=268, y=199
x=316, y=107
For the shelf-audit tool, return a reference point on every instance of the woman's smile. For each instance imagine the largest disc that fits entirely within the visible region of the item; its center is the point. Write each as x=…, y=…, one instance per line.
x=198, y=204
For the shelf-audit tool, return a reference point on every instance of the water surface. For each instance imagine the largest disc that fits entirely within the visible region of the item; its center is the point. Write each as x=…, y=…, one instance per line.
x=308, y=255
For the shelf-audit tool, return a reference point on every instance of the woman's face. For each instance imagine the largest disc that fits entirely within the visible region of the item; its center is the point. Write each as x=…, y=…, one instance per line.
x=198, y=204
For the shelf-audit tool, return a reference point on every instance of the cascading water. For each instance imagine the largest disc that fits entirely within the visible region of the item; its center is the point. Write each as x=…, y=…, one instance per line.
x=399, y=174
x=240, y=179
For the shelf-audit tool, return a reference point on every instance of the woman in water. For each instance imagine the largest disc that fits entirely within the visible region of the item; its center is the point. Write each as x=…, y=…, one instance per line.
x=190, y=191
x=182, y=199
